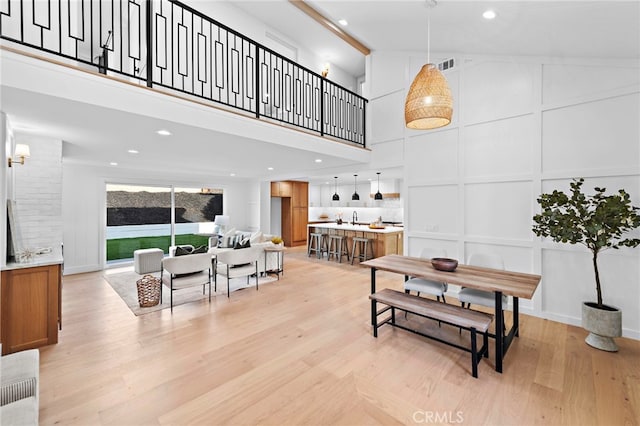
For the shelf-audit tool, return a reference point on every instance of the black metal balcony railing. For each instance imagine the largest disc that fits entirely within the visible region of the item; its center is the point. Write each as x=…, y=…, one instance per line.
x=167, y=44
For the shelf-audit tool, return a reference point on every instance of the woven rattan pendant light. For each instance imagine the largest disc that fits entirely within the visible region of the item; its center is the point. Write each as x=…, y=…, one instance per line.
x=428, y=104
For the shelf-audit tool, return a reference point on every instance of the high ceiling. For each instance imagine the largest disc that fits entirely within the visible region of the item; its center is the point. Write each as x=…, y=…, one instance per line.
x=607, y=29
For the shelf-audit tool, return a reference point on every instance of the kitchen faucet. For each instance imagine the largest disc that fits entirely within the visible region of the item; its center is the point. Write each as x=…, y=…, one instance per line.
x=354, y=219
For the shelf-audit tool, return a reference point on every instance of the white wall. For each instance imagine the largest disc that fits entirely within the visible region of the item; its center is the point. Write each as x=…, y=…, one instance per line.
x=367, y=209
x=521, y=126
x=84, y=206
x=275, y=212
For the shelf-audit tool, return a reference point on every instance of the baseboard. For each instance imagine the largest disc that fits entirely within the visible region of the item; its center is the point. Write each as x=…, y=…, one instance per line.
x=565, y=319
x=81, y=269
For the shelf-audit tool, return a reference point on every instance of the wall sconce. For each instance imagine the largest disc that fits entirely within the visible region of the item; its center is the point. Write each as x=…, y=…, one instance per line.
x=325, y=70
x=22, y=151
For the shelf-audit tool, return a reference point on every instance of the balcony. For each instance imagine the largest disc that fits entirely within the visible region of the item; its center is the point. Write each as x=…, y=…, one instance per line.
x=171, y=47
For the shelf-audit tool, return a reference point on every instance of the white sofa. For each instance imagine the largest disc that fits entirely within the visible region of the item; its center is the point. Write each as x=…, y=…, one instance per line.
x=260, y=240
x=20, y=388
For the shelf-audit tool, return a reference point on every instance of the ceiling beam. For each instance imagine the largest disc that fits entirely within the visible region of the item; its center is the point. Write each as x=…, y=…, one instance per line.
x=328, y=24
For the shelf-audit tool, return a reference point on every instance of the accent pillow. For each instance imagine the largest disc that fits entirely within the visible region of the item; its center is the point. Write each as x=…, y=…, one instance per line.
x=256, y=237
x=229, y=242
x=246, y=243
x=229, y=239
x=230, y=233
x=183, y=250
x=190, y=250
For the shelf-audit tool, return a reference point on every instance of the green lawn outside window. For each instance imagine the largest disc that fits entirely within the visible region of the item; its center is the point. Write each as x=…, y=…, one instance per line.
x=123, y=248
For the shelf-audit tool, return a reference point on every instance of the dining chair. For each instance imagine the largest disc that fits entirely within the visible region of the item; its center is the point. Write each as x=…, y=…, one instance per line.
x=422, y=285
x=470, y=296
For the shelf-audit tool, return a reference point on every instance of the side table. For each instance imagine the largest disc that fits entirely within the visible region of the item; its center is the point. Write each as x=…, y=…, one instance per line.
x=279, y=251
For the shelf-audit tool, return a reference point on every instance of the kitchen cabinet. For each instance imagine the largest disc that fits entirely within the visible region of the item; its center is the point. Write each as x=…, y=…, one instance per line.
x=281, y=189
x=295, y=210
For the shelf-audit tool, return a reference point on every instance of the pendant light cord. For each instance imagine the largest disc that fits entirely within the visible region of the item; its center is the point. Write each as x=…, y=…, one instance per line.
x=428, y=33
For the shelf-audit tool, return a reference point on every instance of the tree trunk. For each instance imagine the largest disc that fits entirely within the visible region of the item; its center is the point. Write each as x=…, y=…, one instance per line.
x=595, y=268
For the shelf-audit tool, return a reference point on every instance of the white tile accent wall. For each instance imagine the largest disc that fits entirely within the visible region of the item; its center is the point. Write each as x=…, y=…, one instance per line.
x=38, y=192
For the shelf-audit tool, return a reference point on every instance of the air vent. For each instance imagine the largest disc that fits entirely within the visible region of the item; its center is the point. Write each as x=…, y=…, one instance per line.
x=446, y=65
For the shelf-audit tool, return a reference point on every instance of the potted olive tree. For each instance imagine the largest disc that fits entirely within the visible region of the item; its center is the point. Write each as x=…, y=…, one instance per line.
x=598, y=222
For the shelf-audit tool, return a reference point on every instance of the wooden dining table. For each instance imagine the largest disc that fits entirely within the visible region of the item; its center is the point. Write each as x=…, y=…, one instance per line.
x=500, y=282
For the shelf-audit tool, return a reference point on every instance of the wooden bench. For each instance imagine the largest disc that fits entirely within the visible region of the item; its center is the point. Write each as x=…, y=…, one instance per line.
x=474, y=321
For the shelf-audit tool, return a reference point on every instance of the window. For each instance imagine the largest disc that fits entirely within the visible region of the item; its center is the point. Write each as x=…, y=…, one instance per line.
x=141, y=217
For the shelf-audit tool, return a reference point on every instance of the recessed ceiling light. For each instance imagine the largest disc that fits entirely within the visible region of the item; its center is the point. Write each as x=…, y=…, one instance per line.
x=489, y=14
x=133, y=151
x=318, y=160
x=113, y=163
x=232, y=174
x=269, y=168
x=343, y=22
x=326, y=183
x=164, y=132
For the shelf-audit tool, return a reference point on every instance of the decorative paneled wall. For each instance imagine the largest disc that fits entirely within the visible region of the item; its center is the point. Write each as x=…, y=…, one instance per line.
x=521, y=126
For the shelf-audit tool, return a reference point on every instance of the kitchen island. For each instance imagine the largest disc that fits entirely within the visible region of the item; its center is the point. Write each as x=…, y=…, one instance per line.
x=387, y=240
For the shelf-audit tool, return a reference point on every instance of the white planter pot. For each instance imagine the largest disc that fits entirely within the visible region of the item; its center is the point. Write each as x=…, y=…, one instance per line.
x=603, y=325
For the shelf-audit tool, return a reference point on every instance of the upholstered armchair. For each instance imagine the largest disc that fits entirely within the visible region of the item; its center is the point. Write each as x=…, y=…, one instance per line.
x=190, y=270
x=236, y=263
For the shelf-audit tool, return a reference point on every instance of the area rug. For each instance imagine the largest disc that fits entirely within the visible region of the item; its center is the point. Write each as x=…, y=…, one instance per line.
x=124, y=283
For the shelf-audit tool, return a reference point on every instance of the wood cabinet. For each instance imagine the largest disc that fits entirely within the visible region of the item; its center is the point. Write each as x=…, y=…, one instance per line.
x=299, y=226
x=281, y=189
x=300, y=197
x=384, y=243
x=30, y=300
x=295, y=210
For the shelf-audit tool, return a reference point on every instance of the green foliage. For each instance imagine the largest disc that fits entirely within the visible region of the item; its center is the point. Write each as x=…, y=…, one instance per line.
x=123, y=248
x=597, y=221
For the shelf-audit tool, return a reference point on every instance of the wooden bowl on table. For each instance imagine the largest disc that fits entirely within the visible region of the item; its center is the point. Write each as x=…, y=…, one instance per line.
x=376, y=226
x=444, y=264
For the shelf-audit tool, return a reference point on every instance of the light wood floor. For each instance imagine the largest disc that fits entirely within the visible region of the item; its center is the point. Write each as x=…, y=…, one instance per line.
x=300, y=351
